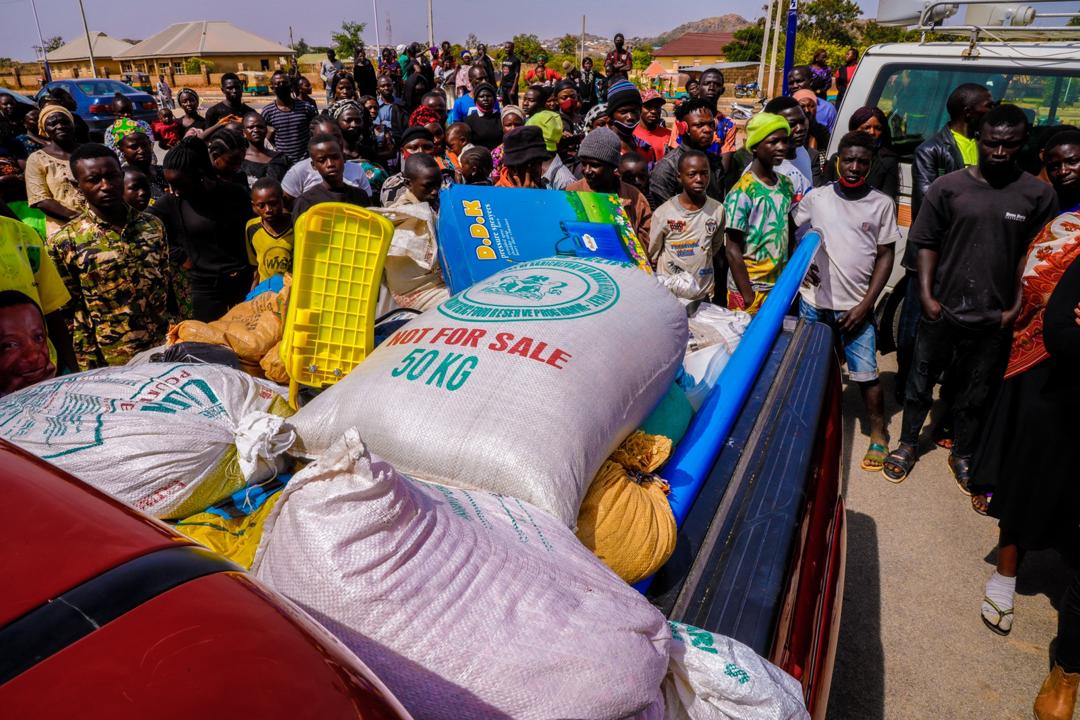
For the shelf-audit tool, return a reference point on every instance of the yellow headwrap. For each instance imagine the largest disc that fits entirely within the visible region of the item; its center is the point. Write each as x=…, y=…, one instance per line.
x=49, y=110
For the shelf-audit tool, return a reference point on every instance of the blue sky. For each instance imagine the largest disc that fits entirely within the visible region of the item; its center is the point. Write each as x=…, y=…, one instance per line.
x=314, y=21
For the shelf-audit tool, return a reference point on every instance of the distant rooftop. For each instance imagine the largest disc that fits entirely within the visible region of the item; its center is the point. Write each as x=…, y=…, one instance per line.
x=203, y=37
x=695, y=44
x=104, y=47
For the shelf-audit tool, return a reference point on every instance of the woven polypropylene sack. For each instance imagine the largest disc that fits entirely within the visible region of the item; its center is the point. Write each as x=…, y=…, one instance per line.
x=465, y=603
x=713, y=677
x=166, y=438
x=522, y=384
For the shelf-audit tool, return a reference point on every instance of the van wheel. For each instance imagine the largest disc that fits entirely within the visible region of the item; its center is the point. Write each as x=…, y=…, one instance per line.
x=889, y=319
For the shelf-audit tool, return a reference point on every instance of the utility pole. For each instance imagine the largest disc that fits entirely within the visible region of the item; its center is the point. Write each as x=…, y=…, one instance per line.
x=581, y=54
x=764, y=50
x=775, y=46
x=44, y=54
x=431, y=25
x=378, y=48
x=89, y=42
x=789, y=50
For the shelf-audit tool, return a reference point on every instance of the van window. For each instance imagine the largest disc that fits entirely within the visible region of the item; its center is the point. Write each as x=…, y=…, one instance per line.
x=913, y=98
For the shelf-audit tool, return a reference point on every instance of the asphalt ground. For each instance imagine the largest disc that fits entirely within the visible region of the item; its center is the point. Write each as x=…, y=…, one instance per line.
x=912, y=644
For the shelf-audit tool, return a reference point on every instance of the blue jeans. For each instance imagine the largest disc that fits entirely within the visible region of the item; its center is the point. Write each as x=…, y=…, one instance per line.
x=860, y=345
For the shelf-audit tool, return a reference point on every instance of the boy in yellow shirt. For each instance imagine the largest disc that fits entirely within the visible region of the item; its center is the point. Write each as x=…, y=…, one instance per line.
x=270, y=235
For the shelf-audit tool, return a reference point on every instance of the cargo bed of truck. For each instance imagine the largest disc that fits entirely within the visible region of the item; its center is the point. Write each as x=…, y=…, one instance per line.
x=760, y=557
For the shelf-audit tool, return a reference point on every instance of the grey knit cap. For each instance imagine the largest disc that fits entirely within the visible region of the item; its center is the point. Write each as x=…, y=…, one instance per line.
x=603, y=145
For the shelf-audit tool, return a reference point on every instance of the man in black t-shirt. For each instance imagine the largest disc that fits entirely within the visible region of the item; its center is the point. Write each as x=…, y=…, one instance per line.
x=511, y=73
x=328, y=159
x=233, y=90
x=971, y=236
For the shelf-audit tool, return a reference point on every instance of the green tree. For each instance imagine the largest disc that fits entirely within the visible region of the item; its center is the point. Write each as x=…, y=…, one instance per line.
x=1074, y=21
x=300, y=47
x=528, y=47
x=349, y=38
x=746, y=47
x=568, y=44
x=53, y=43
x=832, y=21
x=642, y=57
x=194, y=66
x=874, y=33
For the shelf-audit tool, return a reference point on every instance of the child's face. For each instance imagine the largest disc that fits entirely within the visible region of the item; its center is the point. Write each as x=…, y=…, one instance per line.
x=455, y=139
x=773, y=149
x=24, y=348
x=267, y=203
x=635, y=173
x=136, y=150
x=136, y=190
x=165, y=115
x=694, y=176
x=329, y=162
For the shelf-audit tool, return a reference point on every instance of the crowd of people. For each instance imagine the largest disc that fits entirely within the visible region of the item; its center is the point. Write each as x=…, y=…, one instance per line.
x=101, y=247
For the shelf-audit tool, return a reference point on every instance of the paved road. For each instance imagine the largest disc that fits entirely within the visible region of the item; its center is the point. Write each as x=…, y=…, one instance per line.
x=912, y=644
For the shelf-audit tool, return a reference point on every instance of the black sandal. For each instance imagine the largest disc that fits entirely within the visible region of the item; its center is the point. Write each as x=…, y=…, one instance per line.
x=898, y=464
x=961, y=470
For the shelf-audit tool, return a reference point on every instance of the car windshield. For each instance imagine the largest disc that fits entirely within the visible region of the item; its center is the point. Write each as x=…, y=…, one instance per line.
x=913, y=98
x=102, y=87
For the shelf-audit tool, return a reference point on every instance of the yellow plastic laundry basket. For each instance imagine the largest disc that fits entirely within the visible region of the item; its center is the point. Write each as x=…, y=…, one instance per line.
x=338, y=256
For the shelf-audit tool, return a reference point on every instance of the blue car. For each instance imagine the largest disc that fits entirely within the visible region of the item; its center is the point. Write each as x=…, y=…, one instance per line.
x=94, y=97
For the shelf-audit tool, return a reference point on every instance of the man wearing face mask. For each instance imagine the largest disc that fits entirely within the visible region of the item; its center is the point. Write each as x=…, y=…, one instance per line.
x=624, y=108
x=619, y=61
x=289, y=119
x=971, y=236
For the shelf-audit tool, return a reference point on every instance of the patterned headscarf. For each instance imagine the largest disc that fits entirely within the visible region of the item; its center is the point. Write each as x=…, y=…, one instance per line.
x=424, y=115
x=336, y=109
x=47, y=112
x=512, y=110
x=594, y=112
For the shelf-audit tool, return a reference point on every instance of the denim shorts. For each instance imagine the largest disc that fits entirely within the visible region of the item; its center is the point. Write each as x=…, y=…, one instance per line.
x=860, y=347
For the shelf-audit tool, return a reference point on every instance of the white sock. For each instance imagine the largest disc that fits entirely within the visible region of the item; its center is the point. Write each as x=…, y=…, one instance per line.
x=1001, y=589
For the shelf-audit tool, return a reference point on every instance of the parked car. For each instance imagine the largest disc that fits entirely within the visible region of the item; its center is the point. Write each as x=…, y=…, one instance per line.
x=94, y=96
x=111, y=614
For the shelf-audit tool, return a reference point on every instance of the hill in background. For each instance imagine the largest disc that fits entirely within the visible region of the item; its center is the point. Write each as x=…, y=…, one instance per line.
x=719, y=24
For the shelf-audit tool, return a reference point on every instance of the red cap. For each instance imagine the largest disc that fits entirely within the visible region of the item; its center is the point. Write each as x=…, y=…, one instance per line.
x=649, y=95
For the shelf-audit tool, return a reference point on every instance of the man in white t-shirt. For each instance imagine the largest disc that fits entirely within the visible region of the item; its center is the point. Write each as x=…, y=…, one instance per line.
x=686, y=231
x=852, y=265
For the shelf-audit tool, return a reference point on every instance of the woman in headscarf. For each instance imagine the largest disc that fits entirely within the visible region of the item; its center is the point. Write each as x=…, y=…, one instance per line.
x=356, y=129
x=415, y=88
x=259, y=161
x=1028, y=454
x=885, y=171
x=49, y=185
x=512, y=117
x=597, y=117
x=566, y=97
x=486, y=122
x=188, y=100
x=817, y=134
x=429, y=119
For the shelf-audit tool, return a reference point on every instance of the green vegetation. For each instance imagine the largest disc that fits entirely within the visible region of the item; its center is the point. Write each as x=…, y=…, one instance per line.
x=348, y=38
